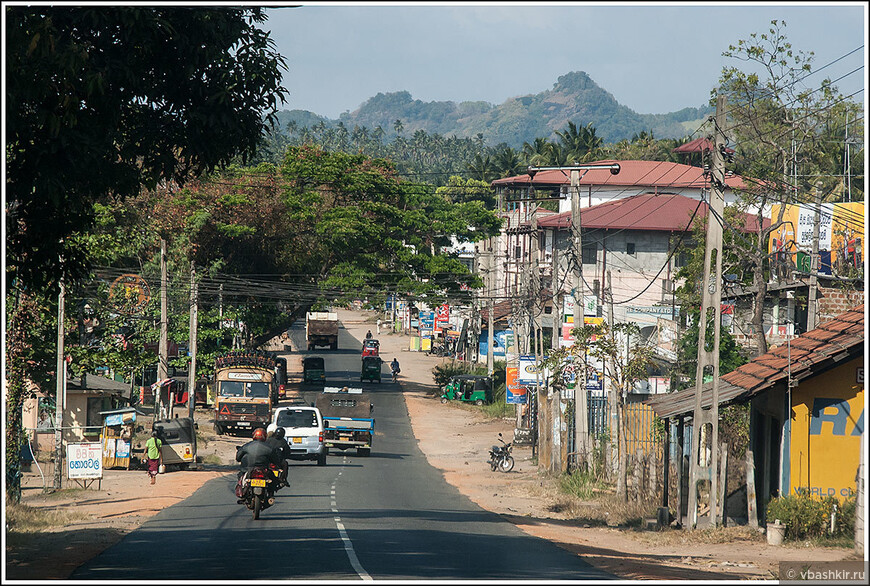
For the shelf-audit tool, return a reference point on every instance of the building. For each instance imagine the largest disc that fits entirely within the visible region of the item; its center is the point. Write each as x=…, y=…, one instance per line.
x=807, y=412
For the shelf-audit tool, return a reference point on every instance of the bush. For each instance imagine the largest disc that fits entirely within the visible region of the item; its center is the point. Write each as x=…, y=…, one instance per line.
x=805, y=517
x=442, y=373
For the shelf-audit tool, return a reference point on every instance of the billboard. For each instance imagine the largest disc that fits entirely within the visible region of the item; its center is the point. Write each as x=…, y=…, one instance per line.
x=515, y=393
x=841, y=235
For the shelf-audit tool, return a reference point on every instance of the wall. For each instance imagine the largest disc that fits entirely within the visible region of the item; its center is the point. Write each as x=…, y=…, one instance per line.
x=827, y=419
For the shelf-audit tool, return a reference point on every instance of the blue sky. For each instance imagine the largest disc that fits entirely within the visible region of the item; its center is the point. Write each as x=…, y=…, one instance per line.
x=653, y=58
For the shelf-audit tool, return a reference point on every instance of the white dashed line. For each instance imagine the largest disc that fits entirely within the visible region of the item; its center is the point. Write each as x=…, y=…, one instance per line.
x=348, y=546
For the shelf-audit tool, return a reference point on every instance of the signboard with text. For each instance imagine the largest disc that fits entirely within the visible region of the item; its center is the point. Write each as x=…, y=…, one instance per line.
x=516, y=393
x=84, y=460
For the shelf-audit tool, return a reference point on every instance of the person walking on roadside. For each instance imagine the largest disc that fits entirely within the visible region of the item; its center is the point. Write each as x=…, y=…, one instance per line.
x=152, y=453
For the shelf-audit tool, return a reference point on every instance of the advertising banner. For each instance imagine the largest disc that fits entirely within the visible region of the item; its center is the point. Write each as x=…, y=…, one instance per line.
x=841, y=234
x=528, y=371
x=85, y=460
x=516, y=393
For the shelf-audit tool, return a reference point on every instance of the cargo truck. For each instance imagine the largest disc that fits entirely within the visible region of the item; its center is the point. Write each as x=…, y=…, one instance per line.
x=321, y=329
x=348, y=420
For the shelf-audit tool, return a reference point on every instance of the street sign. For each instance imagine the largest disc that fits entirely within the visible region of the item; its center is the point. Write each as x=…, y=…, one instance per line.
x=85, y=460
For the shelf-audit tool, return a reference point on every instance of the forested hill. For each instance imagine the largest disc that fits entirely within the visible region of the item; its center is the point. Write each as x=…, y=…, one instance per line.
x=575, y=97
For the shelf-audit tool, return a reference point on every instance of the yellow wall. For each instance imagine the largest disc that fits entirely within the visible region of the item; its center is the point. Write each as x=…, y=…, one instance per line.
x=824, y=450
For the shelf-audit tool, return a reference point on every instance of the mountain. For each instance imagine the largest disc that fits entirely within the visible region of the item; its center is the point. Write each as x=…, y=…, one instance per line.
x=575, y=97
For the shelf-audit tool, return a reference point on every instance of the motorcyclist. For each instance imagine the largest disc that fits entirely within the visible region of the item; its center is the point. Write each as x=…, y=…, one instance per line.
x=256, y=453
x=279, y=444
x=394, y=368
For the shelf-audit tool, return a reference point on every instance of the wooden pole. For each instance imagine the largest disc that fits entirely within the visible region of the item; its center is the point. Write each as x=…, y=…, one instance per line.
x=751, y=502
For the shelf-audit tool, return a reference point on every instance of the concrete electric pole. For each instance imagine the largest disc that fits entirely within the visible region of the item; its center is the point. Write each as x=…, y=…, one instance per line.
x=705, y=434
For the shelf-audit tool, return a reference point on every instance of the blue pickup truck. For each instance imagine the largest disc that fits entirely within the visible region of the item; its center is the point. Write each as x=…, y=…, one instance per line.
x=348, y=420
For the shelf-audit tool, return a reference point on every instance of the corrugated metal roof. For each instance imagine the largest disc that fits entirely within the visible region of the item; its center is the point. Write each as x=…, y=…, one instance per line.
x=832, y=341
x=658, y=174
x=648, y=211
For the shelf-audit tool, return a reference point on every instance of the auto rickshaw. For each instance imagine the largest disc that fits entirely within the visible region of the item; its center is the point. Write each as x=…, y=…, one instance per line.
x=469, y=388
x=313, y=370
x=370, y=347
x=371, y=369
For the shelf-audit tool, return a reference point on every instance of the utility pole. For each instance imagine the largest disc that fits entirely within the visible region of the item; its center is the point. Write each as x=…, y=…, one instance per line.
x=812, y=301
x=163, y=348
x=612, y=398
x=490, y=335
x=705, y=424
x=191, y=375
x=580, y=404
x=556, y=290
x=61, y=392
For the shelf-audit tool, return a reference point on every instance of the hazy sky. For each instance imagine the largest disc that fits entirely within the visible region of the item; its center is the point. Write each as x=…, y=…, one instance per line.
x=653, y=58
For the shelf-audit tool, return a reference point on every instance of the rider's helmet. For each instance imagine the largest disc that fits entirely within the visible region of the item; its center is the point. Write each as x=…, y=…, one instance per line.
x=279, y=432
x=260, y=434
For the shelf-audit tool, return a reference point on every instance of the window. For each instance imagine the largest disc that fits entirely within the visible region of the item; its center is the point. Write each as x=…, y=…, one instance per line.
x=297, y=418
x=681, y=258
x=590, y=254
x=518, y=252
x=548, y=310
x=629, y=248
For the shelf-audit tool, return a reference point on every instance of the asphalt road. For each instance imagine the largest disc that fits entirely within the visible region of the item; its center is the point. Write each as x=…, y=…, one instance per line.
x=388, y=516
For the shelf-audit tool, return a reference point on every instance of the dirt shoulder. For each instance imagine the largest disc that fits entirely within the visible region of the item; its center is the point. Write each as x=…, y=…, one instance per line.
x=455, y=440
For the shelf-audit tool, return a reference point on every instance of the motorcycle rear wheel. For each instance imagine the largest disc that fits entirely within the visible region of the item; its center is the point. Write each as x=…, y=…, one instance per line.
x=506, y=464
x=258, y=504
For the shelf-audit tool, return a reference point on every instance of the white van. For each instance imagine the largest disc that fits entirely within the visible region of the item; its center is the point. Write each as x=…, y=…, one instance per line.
x=303, y=430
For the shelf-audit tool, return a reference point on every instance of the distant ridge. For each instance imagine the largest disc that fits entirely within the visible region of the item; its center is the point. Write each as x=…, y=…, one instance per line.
x=575, y=97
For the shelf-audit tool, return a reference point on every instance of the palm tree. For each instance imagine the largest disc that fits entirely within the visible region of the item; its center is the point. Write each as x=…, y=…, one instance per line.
x=398, y=126
x=536, y=153
x=507, y=162
x=481, y=168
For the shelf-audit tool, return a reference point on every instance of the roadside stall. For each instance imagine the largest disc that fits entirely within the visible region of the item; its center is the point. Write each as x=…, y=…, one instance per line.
x=119, y=426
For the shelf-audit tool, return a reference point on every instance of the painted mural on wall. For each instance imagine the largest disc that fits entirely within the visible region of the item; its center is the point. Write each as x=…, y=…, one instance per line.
x=827, y=426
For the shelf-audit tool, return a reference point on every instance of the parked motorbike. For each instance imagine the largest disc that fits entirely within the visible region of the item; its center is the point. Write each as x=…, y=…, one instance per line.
x=437, y=350
x=500, y=456
x=256, y=489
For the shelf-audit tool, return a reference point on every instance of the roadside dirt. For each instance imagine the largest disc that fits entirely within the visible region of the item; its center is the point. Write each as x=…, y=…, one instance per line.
x=456, y=441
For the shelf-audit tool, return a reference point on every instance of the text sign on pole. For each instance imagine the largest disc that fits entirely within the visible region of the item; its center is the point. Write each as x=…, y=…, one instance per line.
x=515, y=392
x=84, y=460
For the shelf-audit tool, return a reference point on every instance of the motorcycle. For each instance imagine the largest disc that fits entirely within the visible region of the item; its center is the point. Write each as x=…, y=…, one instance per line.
x=500, y=456
x=256, y=489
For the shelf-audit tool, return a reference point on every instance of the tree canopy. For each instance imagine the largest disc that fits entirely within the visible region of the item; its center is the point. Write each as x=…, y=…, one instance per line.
x=102, y=100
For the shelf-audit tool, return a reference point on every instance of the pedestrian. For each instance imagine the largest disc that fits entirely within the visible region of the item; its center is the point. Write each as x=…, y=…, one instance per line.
x=153, y=455
x=369, y=335
x=379, y=326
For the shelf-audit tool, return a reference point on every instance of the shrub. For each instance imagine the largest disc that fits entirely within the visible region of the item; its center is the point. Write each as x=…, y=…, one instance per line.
x=442, y=373
x=805, y=517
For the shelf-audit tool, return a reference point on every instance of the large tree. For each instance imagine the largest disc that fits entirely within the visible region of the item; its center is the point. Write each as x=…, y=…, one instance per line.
x=102, y=100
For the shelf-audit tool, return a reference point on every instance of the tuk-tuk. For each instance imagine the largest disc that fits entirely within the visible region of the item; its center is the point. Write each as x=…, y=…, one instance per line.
x=179, y=441
x=469, y=388
x=371, y=369
x=370, y=347
x=313, y=370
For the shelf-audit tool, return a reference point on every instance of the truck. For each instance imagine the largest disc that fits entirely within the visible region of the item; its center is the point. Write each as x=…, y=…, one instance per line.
x=246, y=390
x=348, y=420
x=321, y=329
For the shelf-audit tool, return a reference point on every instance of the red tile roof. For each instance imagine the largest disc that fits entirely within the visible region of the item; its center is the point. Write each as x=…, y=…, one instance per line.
x=841, y=338
x=698, y=145
x=662, y=212
x=835, y=340
x=661, y=175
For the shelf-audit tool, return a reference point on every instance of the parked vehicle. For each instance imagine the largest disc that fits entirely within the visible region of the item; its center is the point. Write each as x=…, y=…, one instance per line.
x=469, y=388
x=500, y=457
x=370, y=347
x=347, y=419
x=313, y=370
x=303, y=430
x=371, y=369
x=321, y=329
x=246, y=391
x=179, y=441
x=256, y=489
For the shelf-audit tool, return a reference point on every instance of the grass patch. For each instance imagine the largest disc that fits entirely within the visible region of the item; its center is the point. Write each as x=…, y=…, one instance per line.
x=844, y=540
x=582, y=485
x=212, y=459
x=65, y=493
x=24, y=519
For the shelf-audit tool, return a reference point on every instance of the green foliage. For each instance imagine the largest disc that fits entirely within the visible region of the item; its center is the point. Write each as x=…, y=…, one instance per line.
x=581, y=484
x=442, y=373
x=94, y=114
x=805, y=517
